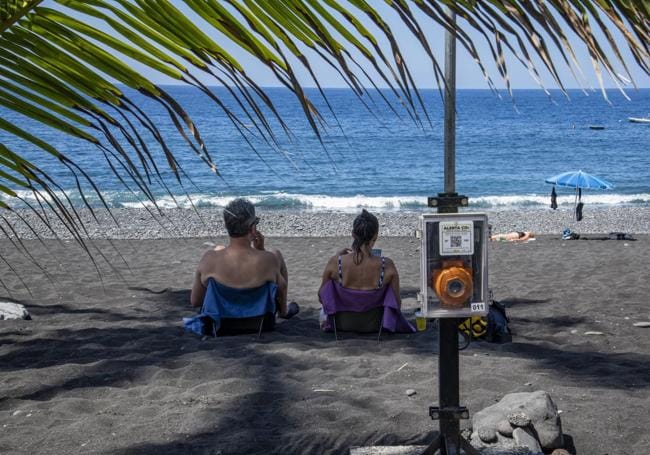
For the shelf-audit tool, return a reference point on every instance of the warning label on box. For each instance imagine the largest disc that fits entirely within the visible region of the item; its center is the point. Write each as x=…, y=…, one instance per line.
x=456, y=238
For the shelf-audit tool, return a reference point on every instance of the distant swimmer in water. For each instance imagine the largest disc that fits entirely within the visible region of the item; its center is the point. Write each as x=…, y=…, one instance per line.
x=513, y=236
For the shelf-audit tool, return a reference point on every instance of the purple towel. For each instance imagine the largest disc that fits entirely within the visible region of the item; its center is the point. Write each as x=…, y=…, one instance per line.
x=335, y=298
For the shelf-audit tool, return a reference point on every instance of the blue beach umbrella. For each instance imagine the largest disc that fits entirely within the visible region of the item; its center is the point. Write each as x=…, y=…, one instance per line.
x=579, y=180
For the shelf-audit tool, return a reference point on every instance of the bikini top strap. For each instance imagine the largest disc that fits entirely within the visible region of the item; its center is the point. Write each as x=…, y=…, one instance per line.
x=340, y=271
x=381, y=275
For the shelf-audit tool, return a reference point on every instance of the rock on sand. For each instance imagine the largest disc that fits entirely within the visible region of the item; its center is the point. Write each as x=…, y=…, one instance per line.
x=532, y=410
x=10, y=310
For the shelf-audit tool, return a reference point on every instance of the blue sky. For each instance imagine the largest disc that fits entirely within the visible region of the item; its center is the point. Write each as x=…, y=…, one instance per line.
x=468, y=73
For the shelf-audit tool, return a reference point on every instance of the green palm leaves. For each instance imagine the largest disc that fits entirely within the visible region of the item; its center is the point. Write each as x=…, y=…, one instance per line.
x=64, y=64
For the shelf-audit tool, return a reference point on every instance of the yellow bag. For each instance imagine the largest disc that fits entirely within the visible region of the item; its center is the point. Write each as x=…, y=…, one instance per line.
x=476, y=326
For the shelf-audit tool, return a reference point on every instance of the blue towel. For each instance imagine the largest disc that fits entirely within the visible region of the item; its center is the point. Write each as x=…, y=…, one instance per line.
x=225, y=302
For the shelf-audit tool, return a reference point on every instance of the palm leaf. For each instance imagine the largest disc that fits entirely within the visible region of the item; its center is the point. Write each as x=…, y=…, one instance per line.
x=62, y=72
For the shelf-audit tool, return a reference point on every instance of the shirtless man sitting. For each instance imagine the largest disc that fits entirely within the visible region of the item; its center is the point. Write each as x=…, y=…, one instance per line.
x=244, y=263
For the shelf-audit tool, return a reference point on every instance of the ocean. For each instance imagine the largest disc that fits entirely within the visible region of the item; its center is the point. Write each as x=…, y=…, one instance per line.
x=379, y=159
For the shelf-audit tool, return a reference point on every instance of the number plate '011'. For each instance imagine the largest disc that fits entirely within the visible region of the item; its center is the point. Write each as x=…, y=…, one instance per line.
x=478, y=307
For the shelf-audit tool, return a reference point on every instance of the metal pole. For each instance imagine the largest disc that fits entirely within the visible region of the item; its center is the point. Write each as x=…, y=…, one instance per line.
x=448, y=362
x=449, y=441
x=450, y=107
x=448, y=383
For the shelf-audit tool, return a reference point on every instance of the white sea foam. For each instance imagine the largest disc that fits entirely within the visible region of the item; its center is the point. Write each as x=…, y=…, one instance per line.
x=296, y=201
x=532, y=200
x=391, y=203
x=289, y=201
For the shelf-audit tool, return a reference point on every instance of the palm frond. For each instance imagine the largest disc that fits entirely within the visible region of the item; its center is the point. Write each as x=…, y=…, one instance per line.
x=62, y=72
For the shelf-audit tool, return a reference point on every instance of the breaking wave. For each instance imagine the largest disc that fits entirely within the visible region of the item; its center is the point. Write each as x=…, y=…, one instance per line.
x=305, y=202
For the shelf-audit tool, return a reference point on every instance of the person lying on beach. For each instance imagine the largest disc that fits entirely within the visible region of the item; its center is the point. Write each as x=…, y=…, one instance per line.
x=359, y=281
x=244, y=263
x=513, y=236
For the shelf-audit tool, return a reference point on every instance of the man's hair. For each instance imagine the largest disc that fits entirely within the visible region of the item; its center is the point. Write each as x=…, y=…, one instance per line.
x=239, y=216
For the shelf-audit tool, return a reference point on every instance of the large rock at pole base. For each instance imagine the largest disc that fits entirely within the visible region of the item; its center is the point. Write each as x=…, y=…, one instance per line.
x=533, y=411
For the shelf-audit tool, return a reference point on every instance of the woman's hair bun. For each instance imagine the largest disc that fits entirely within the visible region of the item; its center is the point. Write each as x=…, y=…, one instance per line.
x=364, y=229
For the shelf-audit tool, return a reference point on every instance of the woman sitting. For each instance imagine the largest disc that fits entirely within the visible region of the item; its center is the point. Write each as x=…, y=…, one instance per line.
x=356, y=281
x=519, y=236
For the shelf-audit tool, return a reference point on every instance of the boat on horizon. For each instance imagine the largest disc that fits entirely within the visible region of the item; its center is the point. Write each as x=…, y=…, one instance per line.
x=596, y=127
x=639, y=119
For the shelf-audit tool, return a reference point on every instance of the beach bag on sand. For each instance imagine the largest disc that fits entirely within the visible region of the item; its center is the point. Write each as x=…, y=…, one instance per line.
x=620, y=236
x=568, y=235
x=497, y=324
x=492, y=328
x=475, y=326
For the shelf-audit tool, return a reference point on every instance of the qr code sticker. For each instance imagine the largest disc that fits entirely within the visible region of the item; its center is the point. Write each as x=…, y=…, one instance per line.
x=455, y=241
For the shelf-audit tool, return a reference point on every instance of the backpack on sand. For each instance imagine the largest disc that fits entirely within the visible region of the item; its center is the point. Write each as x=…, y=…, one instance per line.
x=492, y=328
x=497, y=324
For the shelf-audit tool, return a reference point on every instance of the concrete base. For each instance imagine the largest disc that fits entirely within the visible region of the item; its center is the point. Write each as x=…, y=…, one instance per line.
x=388, y=450
x=418, y=450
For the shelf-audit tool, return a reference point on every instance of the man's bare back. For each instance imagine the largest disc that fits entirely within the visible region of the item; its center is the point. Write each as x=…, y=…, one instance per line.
x=244, y=263
x=239, y=268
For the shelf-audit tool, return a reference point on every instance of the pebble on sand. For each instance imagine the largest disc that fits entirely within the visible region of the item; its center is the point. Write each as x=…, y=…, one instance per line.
x=410, y=392
x=207, y=222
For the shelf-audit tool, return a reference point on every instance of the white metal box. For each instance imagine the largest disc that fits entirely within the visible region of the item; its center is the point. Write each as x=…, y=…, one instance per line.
x=453, y=265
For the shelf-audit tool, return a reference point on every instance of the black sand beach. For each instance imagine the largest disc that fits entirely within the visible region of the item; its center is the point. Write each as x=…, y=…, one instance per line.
x=105, y=368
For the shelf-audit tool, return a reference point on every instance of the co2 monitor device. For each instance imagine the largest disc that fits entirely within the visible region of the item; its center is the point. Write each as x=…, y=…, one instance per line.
x=453, y=265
